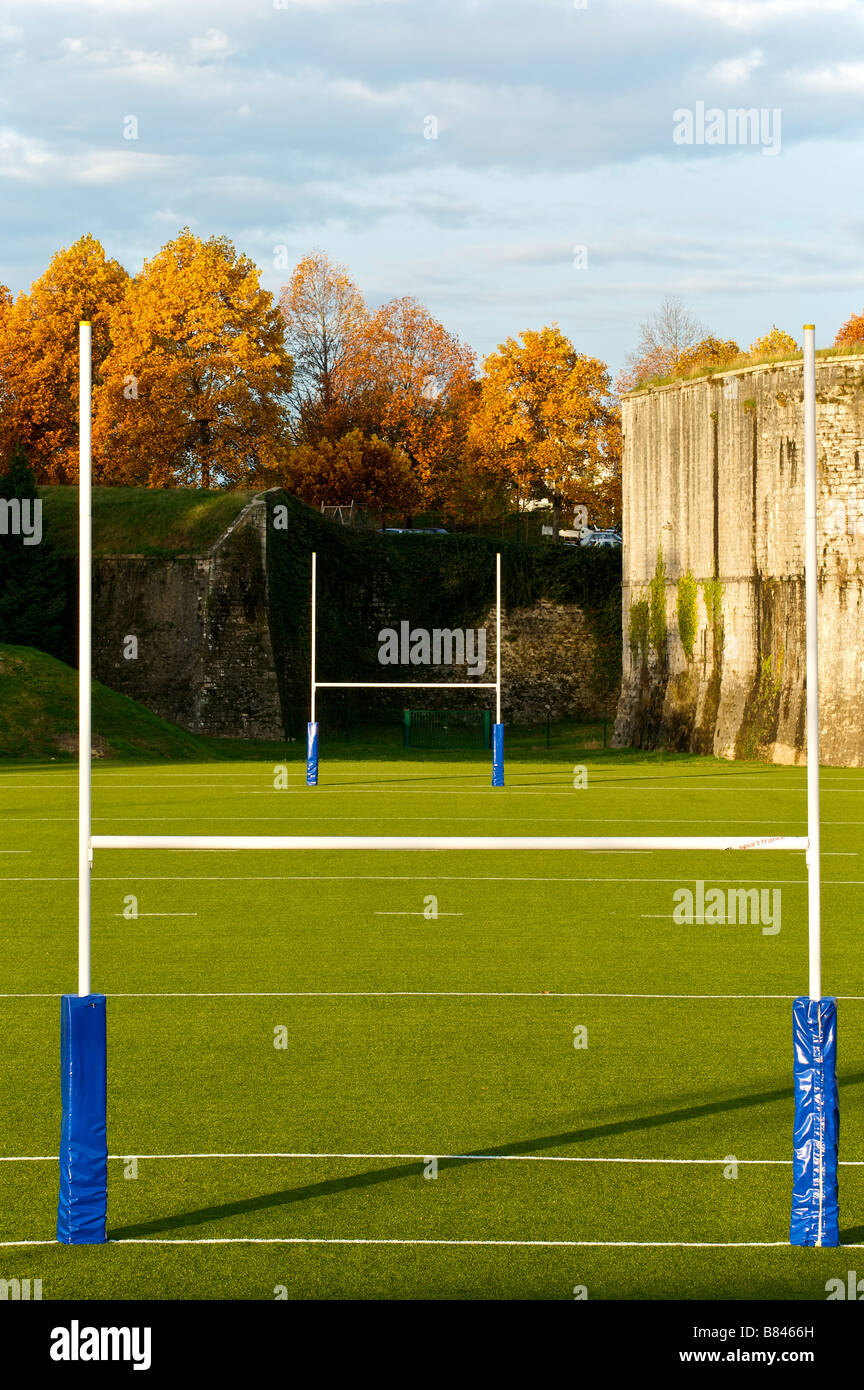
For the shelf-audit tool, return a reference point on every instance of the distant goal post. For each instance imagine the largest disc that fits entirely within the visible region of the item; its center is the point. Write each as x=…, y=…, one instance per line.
x=312, y=731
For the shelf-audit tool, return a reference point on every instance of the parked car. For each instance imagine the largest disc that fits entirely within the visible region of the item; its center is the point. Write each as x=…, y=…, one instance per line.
x=602, y=537
x=415, y=531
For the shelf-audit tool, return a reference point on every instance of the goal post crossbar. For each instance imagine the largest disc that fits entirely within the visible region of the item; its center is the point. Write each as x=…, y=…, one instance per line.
x=479, y=843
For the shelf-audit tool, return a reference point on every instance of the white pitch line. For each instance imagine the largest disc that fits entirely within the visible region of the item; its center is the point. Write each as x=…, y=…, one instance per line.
x=531, y=790
x=379, y=1240
x=367, y=1240
x=422, y=1157
x=389, y=1240
x=415, y=878
x=380, y=816
x=422, y=994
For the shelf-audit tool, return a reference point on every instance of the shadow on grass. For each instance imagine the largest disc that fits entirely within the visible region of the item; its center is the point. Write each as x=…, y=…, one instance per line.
x=394, y=1172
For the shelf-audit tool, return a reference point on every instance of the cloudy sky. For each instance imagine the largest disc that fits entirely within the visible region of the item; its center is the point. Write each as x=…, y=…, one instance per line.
x=462, y=151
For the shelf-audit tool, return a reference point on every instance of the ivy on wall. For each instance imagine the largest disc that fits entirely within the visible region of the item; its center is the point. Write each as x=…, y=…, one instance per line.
x=639, y=620
x=712, y=595
x=687, y=593
x=657, y=608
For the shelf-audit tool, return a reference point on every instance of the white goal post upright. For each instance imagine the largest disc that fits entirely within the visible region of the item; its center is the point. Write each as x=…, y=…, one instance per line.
x=82, y=1206
x=316, y=685
x=82, y=1203
x=498, y=637
x=815, y=1143
x=811, y=586
x=314, y=629
x=85, y=720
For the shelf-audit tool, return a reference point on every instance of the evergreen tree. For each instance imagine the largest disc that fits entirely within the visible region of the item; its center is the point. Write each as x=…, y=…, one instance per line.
x=34, y=581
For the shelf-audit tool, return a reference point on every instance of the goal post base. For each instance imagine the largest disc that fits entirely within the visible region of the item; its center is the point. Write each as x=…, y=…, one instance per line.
x=815, y=1207
x=497, y=755
x=312, y=754
x=82, y=1209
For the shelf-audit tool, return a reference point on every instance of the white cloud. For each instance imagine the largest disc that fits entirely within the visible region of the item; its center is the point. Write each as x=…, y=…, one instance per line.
x=734, y=71
x=117, y=56
x=755, y=14
x=22, y=157
x=836, y=78
x=330, y=4
x=213, y=45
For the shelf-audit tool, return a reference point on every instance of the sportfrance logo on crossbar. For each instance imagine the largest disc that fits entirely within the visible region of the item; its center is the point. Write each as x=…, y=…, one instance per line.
x=417, y=646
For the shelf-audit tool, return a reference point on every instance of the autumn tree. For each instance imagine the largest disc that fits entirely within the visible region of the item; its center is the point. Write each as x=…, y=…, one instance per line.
x=773, y=344
x=197, y=380
x=325, y=318
x=547, y=415
x=39, y=355
x=852, y=332
x=416, y=386
x=5, y=306
x=367, y=471
x=709, y=352
x=670, y=332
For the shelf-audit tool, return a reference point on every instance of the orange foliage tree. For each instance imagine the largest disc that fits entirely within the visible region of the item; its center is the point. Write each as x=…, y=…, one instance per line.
x=414, y=390
x=852, y=332
x=355, y=468
x=547, y=416
x=39, y=355
x=196, y=381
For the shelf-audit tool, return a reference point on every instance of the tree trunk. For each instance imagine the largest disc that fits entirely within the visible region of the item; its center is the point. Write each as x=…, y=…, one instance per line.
x=204, y=436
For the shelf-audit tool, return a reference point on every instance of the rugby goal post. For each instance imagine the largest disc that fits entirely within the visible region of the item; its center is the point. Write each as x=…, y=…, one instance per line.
x=316, y=685
x=82, y=1206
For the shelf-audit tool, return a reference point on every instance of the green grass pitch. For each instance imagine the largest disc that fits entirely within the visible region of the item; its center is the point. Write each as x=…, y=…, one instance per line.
x=305, y=1167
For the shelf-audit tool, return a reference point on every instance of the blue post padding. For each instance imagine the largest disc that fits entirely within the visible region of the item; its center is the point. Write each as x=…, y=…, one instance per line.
x=83, y=1206
x=312, y=755
x=497, y=755
x=815, y=1211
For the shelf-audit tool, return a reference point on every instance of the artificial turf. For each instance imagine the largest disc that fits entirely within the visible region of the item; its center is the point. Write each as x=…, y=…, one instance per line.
x=409, y=1037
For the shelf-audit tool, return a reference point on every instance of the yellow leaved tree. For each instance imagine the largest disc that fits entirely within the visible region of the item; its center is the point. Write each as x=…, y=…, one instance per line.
x=547, y=416
x=39, y=355
x=196, y=382
x=774, y=344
